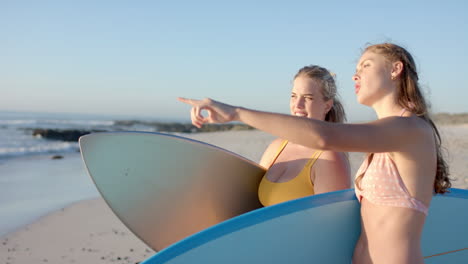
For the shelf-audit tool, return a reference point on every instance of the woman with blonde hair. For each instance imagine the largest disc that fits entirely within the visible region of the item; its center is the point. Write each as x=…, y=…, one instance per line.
x=296, y=171
x=397, y=180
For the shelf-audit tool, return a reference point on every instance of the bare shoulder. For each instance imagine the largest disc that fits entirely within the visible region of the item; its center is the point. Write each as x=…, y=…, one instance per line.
x=413, y=122
x=334, y=156
x=420, y=133
x=335, y=162
x=332, y=172
x=422, y=146
x=270, y=152
x=274, y=145
x=389, y=134
x=412, y=125
x=423, y=126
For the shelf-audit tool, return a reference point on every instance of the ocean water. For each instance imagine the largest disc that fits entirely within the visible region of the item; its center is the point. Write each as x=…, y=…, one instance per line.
x=16, y=131
x=31, y=183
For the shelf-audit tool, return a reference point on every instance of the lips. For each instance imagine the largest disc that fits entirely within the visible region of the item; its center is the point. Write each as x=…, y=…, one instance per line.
x=357, y=87
x=300, y=114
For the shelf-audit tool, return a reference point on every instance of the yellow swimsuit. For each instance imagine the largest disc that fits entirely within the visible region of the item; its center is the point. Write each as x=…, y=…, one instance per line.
x=271, y=193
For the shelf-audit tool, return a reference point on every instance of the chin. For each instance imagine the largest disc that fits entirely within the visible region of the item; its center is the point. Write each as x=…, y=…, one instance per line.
x=363, y=101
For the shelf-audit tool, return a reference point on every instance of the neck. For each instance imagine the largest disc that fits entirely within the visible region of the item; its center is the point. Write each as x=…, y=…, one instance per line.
x=387, y=107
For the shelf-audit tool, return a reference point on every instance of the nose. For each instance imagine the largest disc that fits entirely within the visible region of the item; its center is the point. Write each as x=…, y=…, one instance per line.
x=355, y=77
x=299, y=102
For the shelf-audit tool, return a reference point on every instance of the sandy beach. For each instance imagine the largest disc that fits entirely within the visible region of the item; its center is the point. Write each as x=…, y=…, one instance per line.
x=88, y=232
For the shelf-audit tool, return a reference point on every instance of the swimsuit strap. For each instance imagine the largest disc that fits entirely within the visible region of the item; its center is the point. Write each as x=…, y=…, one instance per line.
x=308, y=166
x=403, y=111
x=283, y=145
x=309, y=163
x=314, y=158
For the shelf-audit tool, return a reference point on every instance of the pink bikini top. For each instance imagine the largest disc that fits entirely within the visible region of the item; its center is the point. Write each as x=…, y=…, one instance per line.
x=381, y=184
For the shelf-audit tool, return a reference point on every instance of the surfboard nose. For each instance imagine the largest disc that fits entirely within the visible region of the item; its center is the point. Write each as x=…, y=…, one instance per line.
x=165, y=187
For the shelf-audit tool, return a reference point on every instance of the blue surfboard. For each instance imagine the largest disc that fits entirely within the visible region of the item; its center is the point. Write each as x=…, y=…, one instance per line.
x=317, y=229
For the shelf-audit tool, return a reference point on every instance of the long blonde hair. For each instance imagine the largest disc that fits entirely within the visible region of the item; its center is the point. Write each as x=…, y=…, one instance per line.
x=409, y=97
x=329, y=91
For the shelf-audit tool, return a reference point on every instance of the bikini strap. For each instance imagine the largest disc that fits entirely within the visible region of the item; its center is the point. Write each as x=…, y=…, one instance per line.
x=309, y=164
x=283, y=145
x=314, y=158
x=403, y=111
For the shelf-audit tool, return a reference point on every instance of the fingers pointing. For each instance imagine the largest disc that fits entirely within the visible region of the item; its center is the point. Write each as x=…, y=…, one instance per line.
x=188, y=101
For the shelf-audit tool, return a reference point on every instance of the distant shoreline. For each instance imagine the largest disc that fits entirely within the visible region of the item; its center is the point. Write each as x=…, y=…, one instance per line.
x=176, y=127
x=72, y=135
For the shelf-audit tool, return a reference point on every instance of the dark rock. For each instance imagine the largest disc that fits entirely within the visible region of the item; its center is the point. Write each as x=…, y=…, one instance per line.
x=56, y=157
x=63, y=135
x=182, y=127
x=74, y=134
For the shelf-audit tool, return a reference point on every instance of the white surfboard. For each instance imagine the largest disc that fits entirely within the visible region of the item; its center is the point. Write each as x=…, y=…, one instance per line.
x=320, y=229
x=164, y=187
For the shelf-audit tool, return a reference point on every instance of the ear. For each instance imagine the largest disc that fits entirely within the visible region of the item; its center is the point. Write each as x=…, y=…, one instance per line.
x=328, y=106
x=397, y=68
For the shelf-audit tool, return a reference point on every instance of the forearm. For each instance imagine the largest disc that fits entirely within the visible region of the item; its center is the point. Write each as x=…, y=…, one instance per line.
x=307, y=132
x=366, y=137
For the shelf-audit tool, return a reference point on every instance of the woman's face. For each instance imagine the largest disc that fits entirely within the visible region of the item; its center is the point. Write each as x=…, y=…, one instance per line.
x=307, y=99
x=372, y=79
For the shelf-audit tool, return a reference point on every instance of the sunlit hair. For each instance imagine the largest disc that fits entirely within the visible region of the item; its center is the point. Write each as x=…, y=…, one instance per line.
x=328, y=89
x=409, y=97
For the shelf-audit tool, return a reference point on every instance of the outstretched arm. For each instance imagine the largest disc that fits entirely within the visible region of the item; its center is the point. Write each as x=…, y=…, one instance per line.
x=384, y=135
x=272, y=123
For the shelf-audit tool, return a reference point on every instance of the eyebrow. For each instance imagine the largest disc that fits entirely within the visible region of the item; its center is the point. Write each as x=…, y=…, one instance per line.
x=304, y=94
x=362, y=62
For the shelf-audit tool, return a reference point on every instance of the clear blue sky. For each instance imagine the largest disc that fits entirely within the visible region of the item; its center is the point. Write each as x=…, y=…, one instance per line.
x=135, y=57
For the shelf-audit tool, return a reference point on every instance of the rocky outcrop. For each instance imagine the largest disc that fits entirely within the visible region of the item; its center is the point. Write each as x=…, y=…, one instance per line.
x=182, y=127
x=73, y=134
x=57, y=157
